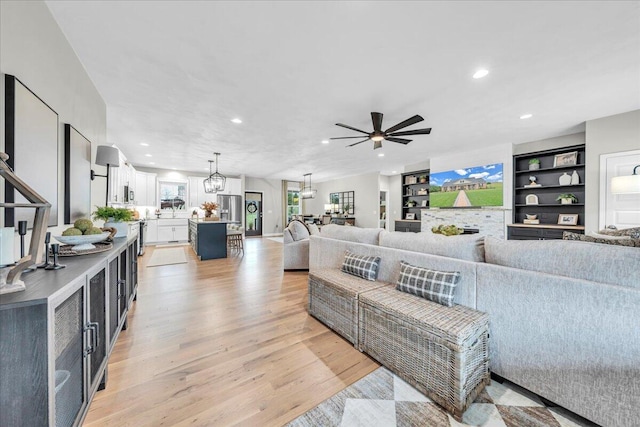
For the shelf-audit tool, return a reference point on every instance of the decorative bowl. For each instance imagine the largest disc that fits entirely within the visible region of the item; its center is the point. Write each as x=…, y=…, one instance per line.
x=83, y=243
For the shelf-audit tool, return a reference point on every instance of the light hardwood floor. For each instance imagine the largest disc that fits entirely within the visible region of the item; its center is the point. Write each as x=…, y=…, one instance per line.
x=223, y=342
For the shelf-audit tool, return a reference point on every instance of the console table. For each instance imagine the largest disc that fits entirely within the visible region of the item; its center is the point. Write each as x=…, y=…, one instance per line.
x=57, y=335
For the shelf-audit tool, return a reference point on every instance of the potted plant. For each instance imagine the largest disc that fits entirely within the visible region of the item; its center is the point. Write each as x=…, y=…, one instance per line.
x=114, y=218
x=567, y=198
x=411, y=203
x=534, y=164
x=423, y=179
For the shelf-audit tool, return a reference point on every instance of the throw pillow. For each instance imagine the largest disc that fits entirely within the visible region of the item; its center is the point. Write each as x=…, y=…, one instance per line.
x=634, y=243
x=607, y=236
x=633, y=232
x=436, y=286
x=361, y=265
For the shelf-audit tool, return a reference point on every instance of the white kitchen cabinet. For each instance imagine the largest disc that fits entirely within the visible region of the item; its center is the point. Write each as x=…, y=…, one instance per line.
x=151, y=235
x=171, y=230
x=145, y=189
x=234, y=186
x=197, y=196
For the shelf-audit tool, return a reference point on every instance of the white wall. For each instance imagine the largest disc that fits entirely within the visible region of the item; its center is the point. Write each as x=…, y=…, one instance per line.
x=549, y=144
x=271, y=190
x=34, y=49
x=606, y=135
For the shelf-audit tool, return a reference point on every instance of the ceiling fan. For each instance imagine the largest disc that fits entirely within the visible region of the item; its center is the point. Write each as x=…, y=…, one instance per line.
x=390, y=134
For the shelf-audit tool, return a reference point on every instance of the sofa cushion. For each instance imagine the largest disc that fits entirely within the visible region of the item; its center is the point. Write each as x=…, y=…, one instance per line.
x=616, y=265
x=466, y=247
x=434, y=285
x=313, y=229
x=361, y=265
x=352, y=234
x=299, y=230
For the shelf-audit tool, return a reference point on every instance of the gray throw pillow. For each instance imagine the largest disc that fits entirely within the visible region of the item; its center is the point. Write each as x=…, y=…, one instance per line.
x=361, y=265
x=436, y=286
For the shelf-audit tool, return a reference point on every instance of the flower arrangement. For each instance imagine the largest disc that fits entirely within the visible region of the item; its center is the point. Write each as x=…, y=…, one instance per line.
x=210, y=206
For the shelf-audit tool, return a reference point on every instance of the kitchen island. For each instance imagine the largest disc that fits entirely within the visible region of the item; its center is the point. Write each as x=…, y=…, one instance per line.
x=208, y=238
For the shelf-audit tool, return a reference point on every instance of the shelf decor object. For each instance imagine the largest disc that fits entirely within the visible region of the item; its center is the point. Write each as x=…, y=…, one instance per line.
x=216, y=180
x=10, y=281
x=565, y=159
x=565, y=179
x=568, y=219
x=626, y=184
x=531, y=199
x=534, y=164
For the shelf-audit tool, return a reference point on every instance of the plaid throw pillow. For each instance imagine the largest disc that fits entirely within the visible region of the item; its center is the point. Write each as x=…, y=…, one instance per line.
x=361, y=265
x=436, y=286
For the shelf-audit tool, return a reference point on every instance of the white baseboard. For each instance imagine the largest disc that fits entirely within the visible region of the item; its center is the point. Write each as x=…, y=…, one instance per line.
x=271, y=234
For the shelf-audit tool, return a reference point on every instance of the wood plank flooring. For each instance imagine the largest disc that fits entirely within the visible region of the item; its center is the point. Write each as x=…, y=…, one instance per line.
x=221, y=343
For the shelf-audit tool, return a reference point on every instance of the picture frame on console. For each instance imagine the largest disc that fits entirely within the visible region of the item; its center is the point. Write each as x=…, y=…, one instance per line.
x=565, y=159
x=410, y=216
x=568, y=219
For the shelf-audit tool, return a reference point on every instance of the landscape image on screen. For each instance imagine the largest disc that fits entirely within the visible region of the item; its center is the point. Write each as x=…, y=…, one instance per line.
x=470, y=187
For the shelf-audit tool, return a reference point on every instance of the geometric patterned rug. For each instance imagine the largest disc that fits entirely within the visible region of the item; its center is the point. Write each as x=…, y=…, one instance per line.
x=381, y=399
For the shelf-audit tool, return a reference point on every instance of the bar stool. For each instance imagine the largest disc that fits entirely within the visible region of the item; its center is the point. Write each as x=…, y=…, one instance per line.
x=234, y=239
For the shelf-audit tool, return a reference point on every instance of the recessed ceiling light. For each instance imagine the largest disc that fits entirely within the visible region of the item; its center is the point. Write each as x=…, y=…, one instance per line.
x=236, y=120
x=148, y=155
x=152, y=163
x=144, y=144
x=526, y=116
x=394, y=171
x=173, y=168
x=480, y=73
x=325, y=141
x=381, y=155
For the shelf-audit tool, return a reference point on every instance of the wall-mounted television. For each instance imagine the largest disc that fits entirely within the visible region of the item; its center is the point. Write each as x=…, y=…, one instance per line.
x=469, y=187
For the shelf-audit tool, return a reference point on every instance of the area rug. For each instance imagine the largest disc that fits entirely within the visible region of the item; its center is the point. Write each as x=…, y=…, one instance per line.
x=382, y=399
x=276, y=239
x=171, y=245
x=167, y=256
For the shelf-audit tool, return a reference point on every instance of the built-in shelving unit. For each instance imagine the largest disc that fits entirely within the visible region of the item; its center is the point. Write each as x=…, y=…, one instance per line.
x=540, y=200
x=415, y=197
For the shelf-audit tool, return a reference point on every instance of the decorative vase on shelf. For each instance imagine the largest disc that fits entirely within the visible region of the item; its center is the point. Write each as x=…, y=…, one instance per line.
x=565, y=179
x=566, y=201
x=575, y=178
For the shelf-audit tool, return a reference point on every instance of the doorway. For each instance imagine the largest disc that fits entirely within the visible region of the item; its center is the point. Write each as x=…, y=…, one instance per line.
x=253, y=213
x=382, y=216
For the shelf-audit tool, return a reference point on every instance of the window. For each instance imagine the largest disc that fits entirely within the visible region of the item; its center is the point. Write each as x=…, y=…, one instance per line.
x=293, y=204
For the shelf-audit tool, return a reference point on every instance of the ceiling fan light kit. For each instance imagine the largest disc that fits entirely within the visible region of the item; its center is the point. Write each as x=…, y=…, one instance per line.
x=216, y=181
x=391, y=134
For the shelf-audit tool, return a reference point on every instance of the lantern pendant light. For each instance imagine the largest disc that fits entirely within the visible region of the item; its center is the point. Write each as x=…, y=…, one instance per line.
x=308, y=192
x=208, y=187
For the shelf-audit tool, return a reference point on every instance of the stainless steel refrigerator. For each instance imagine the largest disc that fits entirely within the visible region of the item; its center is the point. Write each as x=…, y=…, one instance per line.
x=230, y=208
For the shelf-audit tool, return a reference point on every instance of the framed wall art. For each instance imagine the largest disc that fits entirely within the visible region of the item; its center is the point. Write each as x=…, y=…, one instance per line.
x=565, y=159
x=77, y=175
x=31, y=141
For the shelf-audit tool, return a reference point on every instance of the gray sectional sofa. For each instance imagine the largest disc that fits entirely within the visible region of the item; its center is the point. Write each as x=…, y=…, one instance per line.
x=564, y=316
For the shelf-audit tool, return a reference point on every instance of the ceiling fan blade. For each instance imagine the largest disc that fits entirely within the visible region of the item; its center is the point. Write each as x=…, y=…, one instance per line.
x=347, y=137
x=359, y=142
x=400, y=140
x=410, y=121
x=377, y=144
x=425, y=131
x=376, y=118
x=352, y=128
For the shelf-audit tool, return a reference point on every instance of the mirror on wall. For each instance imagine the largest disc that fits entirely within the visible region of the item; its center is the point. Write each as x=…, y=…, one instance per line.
x=173, y=195
x=343, y=202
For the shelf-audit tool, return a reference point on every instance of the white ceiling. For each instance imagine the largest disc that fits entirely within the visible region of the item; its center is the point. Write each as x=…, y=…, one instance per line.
x=174, y=73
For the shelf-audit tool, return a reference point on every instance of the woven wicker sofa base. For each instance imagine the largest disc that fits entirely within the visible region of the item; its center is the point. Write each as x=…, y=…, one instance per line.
x=333, y=299
x=441, y=351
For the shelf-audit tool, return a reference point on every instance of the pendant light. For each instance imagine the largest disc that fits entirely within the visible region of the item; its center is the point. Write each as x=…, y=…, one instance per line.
x=216, y=181
x=308, y=192
x=208, y=187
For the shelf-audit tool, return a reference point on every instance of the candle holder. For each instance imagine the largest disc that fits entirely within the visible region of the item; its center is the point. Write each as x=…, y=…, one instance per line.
x=47, y=239
x=22, y=231
x=55, y=249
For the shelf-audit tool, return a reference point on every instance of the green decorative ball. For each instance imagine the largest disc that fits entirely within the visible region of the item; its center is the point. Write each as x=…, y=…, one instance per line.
x=72, y=232
x=93, y=230
x=83, y=224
